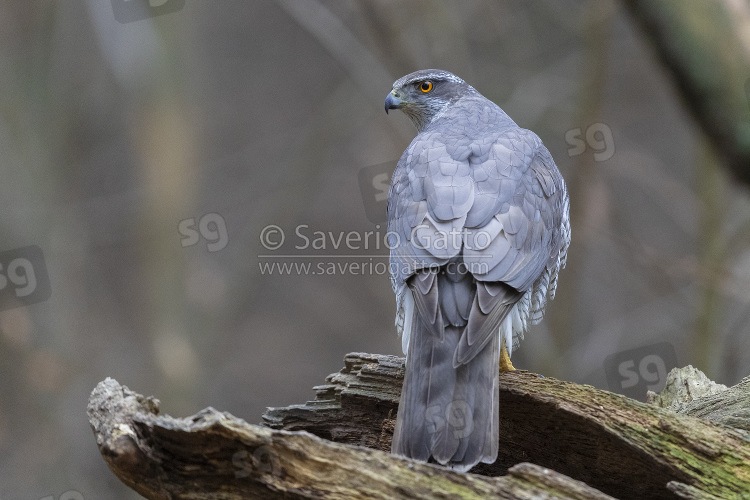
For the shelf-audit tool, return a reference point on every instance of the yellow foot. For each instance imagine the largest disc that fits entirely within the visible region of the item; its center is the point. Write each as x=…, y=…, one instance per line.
x=505, y=364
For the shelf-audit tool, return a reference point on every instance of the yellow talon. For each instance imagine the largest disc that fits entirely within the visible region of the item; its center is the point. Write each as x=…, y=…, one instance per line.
x=505, y=364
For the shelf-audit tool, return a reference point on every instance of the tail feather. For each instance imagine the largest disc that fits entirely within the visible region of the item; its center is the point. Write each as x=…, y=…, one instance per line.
x=478, y=386
x=428, y=390
x=449, y=414
x=482, y=378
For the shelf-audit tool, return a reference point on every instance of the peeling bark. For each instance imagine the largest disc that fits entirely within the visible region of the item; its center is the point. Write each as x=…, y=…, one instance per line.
x=582, y=443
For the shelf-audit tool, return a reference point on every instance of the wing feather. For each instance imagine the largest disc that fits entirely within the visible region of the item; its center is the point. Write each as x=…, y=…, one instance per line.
x=495, y=202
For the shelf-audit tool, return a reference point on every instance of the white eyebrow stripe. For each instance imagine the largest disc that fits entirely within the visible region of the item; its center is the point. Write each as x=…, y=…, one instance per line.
x=418, y=76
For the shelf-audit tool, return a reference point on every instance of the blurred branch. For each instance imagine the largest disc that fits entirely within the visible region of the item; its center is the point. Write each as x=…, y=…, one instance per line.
x=589, y=214
x=597, y=437
x=359, y=62
x=704, y=343
x=705, y=48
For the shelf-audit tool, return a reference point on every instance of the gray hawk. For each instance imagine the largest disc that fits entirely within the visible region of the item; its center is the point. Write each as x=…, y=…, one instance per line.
x=478, y=229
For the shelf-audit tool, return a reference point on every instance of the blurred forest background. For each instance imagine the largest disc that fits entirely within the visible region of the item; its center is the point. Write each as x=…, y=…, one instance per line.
x=118, y=138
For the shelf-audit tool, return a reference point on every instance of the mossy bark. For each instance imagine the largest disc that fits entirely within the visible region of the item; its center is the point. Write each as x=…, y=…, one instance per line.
x=583, y=442
x=620, y=446
x=213, y=455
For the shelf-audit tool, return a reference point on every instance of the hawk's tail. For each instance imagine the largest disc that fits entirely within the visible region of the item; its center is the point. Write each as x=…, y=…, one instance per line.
x=446, y=413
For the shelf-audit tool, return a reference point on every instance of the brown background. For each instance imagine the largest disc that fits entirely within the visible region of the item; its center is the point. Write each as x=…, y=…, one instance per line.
x=265, y=113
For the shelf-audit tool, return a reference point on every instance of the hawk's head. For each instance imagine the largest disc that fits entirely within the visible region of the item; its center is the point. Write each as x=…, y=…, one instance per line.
x=425, y=94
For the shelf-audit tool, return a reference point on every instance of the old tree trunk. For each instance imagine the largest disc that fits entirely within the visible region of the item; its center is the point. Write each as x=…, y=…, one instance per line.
x=557, y=440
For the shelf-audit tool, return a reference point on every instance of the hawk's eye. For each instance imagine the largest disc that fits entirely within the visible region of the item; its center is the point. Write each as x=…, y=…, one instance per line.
x=425, y=86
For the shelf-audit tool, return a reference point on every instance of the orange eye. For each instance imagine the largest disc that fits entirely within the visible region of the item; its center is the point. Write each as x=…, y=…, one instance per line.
x=425, y=86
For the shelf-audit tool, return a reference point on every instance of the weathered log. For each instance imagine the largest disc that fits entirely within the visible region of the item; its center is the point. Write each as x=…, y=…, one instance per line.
x=689, y=392
x=620, y=446
x=213, y=455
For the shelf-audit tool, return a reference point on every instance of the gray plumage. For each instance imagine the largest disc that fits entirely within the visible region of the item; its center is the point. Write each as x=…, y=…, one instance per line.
x=478, y=229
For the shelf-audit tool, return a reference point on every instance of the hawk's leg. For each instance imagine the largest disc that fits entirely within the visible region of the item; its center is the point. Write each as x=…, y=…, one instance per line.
x=505, y=364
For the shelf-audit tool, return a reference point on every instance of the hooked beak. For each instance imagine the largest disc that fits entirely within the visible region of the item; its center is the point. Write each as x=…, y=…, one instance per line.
x=392, y=102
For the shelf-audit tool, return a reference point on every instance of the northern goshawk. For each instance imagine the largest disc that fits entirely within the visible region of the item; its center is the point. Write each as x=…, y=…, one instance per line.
x=477, y=229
